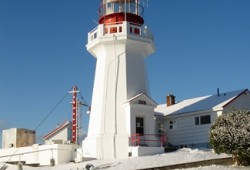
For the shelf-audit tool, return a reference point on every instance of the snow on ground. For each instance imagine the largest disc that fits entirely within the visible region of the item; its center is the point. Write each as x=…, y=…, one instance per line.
x=217, y=167
x=178, y=157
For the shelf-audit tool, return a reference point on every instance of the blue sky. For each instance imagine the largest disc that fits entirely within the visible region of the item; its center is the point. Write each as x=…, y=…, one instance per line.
x=201, y=45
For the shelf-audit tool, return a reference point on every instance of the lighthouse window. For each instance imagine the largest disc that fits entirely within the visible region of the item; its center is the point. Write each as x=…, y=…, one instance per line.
x=109, y=8
x=142, y=102
x=132, y=8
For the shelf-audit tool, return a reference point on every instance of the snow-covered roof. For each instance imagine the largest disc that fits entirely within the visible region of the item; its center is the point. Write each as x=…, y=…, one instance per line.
x=210, y=102
x=56, y=130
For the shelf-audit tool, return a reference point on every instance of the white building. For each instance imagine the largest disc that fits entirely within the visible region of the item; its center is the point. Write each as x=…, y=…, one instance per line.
x=18, y=137
x=187, y=123
x=19, y=145
x=60, y=135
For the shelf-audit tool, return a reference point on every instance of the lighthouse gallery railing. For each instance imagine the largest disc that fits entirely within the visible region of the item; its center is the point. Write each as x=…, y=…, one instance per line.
x=119, y=28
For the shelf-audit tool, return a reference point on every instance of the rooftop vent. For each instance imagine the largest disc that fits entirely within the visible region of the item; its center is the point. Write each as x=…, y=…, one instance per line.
x=218, y=92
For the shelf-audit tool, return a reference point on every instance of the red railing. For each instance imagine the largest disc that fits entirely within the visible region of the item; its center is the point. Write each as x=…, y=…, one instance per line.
x=148, y=140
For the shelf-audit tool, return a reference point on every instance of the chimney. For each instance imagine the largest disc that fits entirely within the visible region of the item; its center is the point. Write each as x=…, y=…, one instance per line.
x=170, y=100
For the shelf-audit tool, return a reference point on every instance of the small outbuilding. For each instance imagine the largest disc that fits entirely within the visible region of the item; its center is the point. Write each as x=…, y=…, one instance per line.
x=18, y=137
x=60, y=135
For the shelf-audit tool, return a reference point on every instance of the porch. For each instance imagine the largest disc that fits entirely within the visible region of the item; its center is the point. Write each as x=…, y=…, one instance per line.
x=146, y=144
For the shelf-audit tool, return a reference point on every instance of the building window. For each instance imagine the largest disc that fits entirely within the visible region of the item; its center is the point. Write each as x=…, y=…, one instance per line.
x=172, y=124
x=197, y=120
x=202, y=120
x=139, y=125
x=160, y=129
x=205, y=119
x=142, y=102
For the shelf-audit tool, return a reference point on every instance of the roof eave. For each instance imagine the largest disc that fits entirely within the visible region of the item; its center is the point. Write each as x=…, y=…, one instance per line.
x=56, y=130
x=188, y=113
x=244, y=91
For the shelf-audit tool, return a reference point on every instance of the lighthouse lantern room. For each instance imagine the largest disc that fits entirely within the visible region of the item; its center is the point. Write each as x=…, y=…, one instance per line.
x=115, y=11
x=120, y=44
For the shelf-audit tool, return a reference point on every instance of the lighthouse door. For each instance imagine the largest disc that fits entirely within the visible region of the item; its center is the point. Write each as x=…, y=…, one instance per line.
x=140, y=125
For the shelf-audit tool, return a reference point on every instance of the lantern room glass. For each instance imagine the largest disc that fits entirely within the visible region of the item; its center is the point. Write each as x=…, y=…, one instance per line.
x=120, y=6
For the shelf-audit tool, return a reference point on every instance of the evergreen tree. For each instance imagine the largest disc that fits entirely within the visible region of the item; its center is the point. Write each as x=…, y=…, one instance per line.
x=230, y=134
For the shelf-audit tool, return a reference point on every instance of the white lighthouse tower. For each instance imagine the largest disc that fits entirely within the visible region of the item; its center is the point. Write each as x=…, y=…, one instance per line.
x=120, y=43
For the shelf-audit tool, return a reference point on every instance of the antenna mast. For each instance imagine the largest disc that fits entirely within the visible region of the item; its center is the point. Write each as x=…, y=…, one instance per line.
x=75, y=115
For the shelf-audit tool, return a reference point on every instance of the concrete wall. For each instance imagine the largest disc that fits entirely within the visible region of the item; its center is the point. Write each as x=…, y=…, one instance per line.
x=40, y=154
x=143, y=151
x=16, y=137
x=9, y=138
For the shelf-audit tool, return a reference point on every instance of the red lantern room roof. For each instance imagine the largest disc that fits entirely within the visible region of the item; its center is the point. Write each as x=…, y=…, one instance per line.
x=115, y=11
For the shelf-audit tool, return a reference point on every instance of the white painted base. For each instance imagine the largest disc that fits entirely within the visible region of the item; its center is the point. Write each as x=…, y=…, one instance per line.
x=108, y=146
x=138, y=151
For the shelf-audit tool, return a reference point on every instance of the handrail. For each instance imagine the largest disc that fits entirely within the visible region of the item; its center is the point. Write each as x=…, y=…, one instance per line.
x=148, y=139
x=24, y=153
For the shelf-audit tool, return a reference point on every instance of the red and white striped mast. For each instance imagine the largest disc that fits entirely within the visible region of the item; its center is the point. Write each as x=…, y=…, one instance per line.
x=74, y=114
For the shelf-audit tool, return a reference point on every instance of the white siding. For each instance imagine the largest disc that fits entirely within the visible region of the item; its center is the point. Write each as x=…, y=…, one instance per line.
x=242, y=102
x=186, y=132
